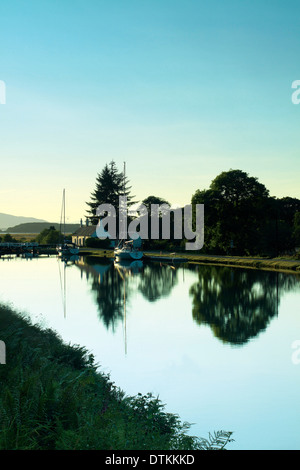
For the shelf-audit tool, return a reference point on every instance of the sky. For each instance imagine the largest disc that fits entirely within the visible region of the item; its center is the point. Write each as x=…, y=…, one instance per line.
x=179, y=90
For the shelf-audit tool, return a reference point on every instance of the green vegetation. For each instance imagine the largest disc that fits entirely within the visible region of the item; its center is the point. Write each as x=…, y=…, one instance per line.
x=7, y=238
x=97, y=243
x=296, y=232
x=53, y=396
x=241, y=218
x=110, y=184
x=161, y=244
x=49, y=236
x=24, y=237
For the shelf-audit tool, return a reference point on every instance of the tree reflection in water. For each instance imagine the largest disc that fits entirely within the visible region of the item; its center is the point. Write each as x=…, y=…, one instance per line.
x=157, y=281
x=112, y=285
x=107, y=287
x=238, y=303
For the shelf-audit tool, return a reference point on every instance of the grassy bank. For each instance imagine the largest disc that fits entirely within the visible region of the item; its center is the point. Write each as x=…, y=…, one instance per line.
x=291, y=264
x=273, y=264
x=54, y=397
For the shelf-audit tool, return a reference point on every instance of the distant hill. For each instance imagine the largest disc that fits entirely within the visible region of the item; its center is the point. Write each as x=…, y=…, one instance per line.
x=8, y=220
x=37, y=227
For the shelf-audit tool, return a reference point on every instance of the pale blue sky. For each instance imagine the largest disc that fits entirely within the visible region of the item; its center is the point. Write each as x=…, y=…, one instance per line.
x=180, y=90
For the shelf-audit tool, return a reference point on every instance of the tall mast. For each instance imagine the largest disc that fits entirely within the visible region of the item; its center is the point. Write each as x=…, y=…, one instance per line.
x=124, y=179
x=64, y=214
x=122, y=208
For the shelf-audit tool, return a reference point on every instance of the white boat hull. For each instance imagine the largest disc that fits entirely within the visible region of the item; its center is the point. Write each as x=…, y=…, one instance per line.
x=67, y=251
x=126, y=254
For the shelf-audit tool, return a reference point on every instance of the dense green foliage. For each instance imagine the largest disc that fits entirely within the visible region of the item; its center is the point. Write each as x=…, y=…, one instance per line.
x=296, y=232
x=110, y=184
x=53, y=396
x=49, y=236
x=148, y=201
x=161, y=243
x=241, y=218
x=98, y=243
x=7, y=238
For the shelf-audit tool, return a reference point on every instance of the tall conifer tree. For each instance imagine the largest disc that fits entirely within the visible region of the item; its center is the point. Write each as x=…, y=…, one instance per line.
x=110, y=184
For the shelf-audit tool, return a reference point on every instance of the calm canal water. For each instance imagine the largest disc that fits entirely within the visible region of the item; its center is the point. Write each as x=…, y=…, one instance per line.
x=214, y=343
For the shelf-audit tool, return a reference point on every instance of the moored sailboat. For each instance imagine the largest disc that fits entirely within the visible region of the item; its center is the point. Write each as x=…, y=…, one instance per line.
x=128, y=249
x=66, y=248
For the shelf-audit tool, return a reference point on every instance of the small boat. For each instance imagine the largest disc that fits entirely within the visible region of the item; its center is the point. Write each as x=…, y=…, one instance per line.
x=66, y=248
x=129, y=250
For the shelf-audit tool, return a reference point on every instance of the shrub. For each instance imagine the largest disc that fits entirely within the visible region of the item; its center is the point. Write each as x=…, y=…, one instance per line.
x=53, y=397
x=97, y=243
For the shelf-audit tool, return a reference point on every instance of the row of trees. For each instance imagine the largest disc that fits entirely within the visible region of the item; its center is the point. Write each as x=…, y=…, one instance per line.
x=7, y=238
x=110, y=185
x=48, y=236
x=240, y=215
x=242, y=218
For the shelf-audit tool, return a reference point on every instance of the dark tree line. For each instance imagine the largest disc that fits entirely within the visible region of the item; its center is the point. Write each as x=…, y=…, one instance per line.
x=240, y=216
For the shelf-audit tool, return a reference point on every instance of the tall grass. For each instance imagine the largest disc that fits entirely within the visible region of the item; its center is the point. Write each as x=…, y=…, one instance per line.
x=54, y=397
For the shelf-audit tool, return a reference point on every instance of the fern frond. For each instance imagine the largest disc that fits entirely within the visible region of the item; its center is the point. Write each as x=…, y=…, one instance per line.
x=216, y=441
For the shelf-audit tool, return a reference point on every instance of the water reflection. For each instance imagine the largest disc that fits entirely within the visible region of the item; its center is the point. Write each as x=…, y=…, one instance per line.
x=170, y=352
x=66, y=260
x=157, y=281
x=112, y=284
x=108, y=289
x=238, y=304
